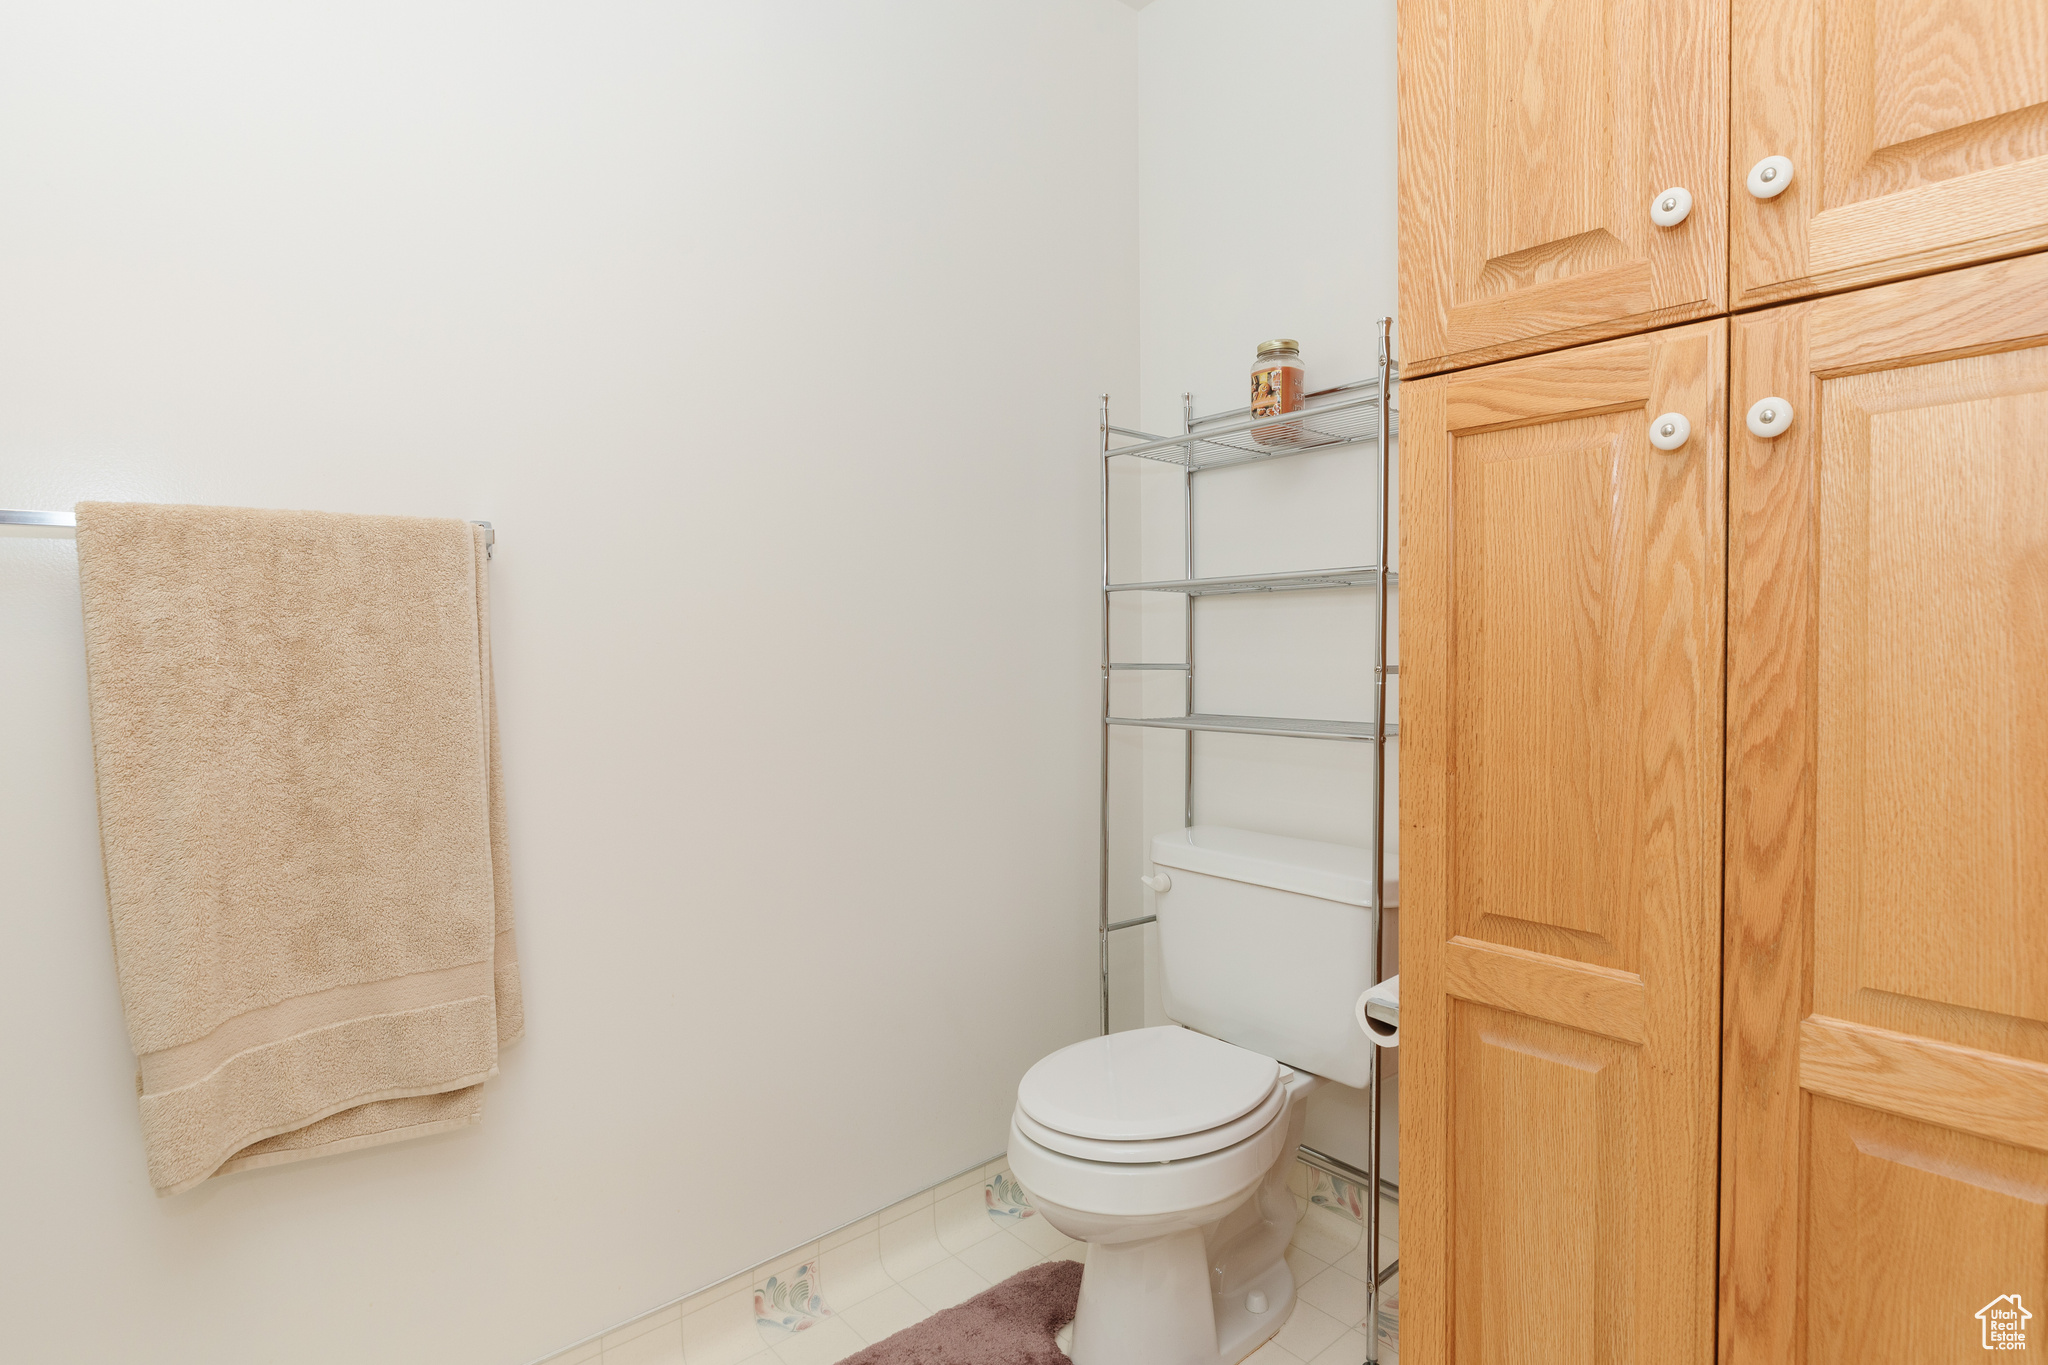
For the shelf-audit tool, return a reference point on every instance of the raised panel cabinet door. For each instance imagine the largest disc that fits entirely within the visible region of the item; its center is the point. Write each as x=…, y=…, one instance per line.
x=1916, y=133
x=1536, y=139
x=1885, y=1066
x=1563, y=590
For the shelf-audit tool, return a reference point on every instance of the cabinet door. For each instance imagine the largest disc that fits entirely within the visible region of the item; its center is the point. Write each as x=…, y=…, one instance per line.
x=1562, y=589
x=1535, y=136
x=1885, y=1156
x=1917, y=132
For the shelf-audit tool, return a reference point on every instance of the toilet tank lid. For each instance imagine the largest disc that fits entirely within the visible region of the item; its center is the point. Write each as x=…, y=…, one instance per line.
x=1331, y=872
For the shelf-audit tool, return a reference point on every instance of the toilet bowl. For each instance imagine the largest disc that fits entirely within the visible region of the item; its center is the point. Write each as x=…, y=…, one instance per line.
x=1167, y=1151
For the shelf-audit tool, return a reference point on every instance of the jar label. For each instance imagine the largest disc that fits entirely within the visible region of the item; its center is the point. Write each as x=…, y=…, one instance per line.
x=1276, y=389
x=1266, y=387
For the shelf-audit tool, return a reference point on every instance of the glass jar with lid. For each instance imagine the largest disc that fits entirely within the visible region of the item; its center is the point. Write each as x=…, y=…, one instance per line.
x=1277, y=388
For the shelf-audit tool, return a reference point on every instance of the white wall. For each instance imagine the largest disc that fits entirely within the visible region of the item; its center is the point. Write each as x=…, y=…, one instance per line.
x=1266, y=172
x=769, y=335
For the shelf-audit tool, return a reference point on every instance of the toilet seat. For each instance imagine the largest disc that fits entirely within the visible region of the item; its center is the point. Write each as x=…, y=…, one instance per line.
x=1156, y=1149
x=1148, y=1086
x=1137, y=1193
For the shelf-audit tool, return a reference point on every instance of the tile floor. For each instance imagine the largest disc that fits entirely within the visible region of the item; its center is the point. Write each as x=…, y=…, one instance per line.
x=873, y=1278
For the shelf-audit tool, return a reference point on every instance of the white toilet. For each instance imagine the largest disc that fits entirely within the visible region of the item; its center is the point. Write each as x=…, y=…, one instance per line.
x=1167, y=1149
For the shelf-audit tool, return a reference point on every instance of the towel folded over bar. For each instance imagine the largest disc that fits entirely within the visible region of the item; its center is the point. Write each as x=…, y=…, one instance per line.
x=295, y=742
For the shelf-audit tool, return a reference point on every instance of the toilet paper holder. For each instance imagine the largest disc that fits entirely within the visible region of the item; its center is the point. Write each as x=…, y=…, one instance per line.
x=1379, y=1012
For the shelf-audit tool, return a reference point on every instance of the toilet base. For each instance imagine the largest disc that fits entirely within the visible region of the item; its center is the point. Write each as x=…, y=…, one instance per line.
x=1239, y=1331
x=1183, y=1297
x=1146, y=1301
x=1150, y=1302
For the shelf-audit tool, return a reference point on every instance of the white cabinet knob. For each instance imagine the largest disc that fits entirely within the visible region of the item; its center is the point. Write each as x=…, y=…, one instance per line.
x=1158, y=881
x=1770, y=177
x=1670, y=431
x=1769, y=417
x=1669, y=208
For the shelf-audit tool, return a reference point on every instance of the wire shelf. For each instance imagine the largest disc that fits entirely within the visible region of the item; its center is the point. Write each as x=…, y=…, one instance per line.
x=1259, y=725
x=1295, y=581
x=1393, y=373
x=1346, y=422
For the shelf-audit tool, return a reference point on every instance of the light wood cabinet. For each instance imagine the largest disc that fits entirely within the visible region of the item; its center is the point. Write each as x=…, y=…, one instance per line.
x=1534, y=136
x=1885, y=1153
x=1824, y=1142
x=1917, y=132
x=1562, y=651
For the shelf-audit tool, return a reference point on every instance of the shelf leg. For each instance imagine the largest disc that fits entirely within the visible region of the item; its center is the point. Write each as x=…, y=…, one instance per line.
x=1103, y=917
x=1379, y=830
x=1187, y=502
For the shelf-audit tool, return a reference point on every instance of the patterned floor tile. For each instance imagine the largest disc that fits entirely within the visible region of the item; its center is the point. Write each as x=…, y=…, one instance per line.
x=790, y=1301
x=1005, y=1198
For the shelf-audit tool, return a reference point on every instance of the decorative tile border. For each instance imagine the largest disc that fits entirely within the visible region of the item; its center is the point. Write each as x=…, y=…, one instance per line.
x=823, y=1301
x=1390, y=1318
x=1006, y=1199
x=788, y=1303
x=1336, y=1193
x=784, y=1307
x=1339, y=1195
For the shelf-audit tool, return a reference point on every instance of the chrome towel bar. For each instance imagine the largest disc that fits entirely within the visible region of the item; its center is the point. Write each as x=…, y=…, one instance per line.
x=65, y=521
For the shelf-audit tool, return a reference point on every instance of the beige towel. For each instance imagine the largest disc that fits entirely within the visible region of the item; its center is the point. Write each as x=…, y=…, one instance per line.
x=295, y=742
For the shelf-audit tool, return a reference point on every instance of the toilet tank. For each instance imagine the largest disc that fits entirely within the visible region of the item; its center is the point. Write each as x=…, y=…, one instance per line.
x=1266, y=942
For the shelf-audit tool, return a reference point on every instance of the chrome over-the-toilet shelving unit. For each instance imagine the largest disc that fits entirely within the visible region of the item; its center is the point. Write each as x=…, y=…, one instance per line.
x=1346, y=416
